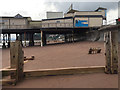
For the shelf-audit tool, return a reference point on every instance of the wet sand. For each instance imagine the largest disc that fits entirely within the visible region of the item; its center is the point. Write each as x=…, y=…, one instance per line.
x=65, y=55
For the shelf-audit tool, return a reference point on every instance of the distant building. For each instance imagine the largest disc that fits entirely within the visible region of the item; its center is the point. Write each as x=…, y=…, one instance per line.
x=51, y=15
x=16, y=22
x=87, y=18
x=75, y=18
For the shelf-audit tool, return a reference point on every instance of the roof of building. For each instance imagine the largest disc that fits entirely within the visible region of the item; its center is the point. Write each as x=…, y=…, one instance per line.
x=73, y=10
x=101, y=8
x=18, y=16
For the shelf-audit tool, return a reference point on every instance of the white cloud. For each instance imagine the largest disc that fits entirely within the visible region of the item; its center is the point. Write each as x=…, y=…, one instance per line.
x=47, y=7
x=37, y=8
x=83, y=0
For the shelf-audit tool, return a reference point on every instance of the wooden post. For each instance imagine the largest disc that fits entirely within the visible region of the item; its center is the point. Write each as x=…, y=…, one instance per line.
x=107, y=52
x=111, y=52
x=119, y=61
x=16, y=60
x=114, y=53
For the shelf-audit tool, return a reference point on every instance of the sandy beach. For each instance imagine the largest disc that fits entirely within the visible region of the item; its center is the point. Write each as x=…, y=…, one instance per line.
x=60, y=56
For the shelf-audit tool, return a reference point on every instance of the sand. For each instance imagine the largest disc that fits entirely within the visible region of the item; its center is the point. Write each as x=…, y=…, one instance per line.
x=59, y=56
x=65, y=55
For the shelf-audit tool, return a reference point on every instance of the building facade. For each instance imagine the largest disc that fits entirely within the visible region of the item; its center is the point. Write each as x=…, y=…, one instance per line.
x=16, y=22
x=75, y=18
x=51, y=15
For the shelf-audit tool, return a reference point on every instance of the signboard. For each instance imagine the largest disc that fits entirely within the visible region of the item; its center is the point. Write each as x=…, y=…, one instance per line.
x=81, y=22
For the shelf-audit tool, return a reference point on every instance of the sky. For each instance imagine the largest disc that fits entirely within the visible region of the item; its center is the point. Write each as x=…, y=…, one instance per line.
x=37, y=9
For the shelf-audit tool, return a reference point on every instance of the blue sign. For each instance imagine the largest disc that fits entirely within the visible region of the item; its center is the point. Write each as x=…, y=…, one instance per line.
x=81, y=23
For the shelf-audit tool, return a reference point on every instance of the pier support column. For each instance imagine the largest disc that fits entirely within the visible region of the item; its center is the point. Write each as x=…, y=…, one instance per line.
x=0, y=39
x=107, y=52
x=114, y=47
x=8, y=40
x=43, y=38
x=21, y=38
x=73, y=36
x=5, y=38
x=111, y=52
x=3, y=41
x=31, y=37
x=17, y=37
x=25, y=38
x=68, y=37
x=65, y=36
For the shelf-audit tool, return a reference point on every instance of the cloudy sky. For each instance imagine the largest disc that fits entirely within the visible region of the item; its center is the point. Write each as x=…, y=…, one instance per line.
x=37, y=8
